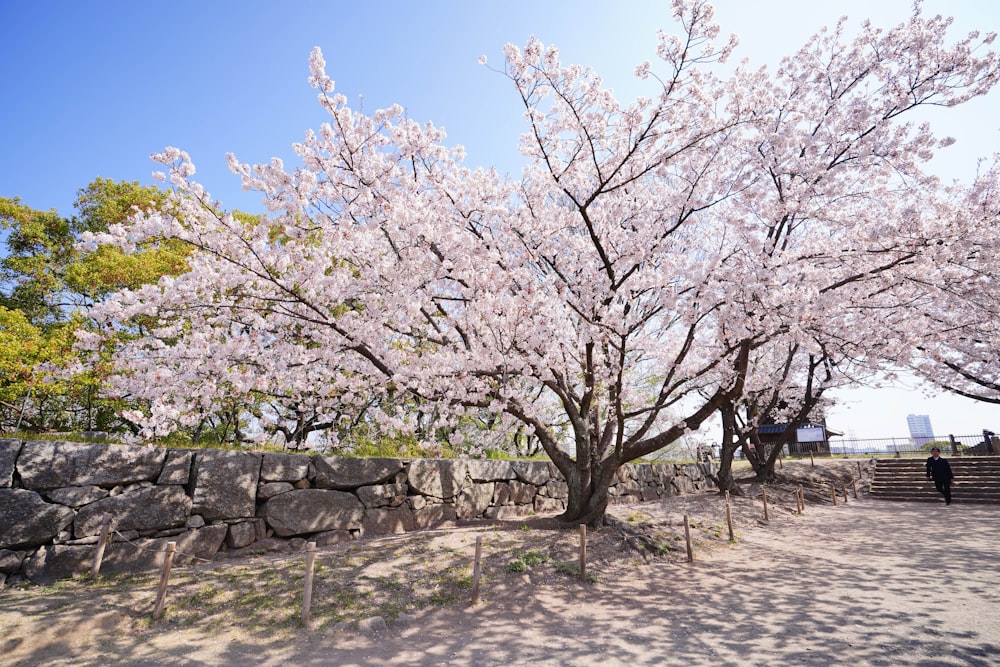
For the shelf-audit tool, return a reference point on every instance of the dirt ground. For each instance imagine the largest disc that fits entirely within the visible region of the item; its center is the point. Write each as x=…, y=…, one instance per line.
x=863, y=583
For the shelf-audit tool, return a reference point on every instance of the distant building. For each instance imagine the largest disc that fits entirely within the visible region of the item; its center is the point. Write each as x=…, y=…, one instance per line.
x=809, y=437
x=920, y=429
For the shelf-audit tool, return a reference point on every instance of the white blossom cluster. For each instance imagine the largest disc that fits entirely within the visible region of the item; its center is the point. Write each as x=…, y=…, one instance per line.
x=656, y=259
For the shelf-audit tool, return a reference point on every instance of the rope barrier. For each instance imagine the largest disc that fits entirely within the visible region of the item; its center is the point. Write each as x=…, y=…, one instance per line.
x=160, y=551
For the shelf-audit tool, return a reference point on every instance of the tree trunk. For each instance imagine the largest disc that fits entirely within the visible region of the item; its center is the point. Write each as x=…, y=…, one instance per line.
x=587, y=497
x=727, y=451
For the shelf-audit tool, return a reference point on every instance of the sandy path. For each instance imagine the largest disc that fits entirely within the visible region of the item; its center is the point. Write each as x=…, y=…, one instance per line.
x=873, y=583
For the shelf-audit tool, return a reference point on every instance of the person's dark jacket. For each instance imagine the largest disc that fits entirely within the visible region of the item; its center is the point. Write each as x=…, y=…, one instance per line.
x=939, y=469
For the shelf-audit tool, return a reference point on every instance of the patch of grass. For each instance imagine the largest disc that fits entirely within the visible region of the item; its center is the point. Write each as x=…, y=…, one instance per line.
x=659, y=548
x=572, y=568
x=516, y=566
x=523, y=560
x=535, y=557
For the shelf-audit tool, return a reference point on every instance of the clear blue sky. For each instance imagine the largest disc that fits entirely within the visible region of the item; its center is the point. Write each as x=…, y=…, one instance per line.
x=92, y=88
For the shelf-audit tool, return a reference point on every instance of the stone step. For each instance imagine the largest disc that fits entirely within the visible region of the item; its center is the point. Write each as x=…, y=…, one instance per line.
x=977, y=480
x=964, y=480
x=937, y=499
x=919, y=470
x=954, y=460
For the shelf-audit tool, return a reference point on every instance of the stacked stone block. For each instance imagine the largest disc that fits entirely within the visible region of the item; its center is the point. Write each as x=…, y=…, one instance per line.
x=56, y=496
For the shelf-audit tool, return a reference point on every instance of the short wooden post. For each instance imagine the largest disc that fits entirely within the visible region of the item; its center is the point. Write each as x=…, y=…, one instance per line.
x=307, y=593
x=854, y=484
x=476, y=569
x=833, y=493
x=844, y=488
x=687, y=538
x=583, y=552
x=812, y=461
x=102, y=542
x=781, y=466
x=799, y=500
x=161, y=592
x=729, y=518
x=763, y=497
x=859, y=469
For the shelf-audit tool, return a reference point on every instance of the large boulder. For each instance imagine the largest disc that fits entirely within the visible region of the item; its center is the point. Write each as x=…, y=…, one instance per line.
x=284, y=467
x=438, y=478
x=8, y=456
x=490, y=470
x=150, y=508
x=77, y=496
x=514, y=493
x=50, y=465
x=177, y=467
x=225, y=484
x=693, y=471
x=241, y=534
x=433, y=516
x=306, y=511
x=662, y=473
x=269, y=490
x=649, y=493
x=472, y=502
x=557, y=489
x=10, y=561
x=382, y=495
x=627, y=473
x=26, y=520
x=546, y=505
x=532, y=472
x=521, y=493
x=345, y=474
x=682, y=485
x=387, y=521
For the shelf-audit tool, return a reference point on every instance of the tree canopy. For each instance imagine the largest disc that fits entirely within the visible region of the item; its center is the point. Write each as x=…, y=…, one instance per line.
x=47, y=286
x=612, y=299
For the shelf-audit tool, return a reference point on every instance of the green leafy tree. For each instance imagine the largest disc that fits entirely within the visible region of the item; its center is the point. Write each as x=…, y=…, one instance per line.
x=47, y=286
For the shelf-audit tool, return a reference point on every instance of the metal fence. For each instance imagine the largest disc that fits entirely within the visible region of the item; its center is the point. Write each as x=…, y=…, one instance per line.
x=954, y=445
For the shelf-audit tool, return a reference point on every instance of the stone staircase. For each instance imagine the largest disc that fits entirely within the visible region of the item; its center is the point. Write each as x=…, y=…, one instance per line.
x=977, y=480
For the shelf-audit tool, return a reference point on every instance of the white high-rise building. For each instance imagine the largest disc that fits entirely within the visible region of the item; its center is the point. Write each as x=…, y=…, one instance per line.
x=920, y=429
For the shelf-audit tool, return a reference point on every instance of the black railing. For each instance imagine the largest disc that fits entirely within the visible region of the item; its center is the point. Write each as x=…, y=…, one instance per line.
x=950, y=445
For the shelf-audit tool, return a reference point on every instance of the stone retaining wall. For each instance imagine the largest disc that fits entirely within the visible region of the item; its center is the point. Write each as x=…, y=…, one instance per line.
x=55, y=496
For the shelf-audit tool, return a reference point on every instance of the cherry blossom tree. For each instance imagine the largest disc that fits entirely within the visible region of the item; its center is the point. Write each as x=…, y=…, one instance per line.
x=957, y=334
x=609, y=301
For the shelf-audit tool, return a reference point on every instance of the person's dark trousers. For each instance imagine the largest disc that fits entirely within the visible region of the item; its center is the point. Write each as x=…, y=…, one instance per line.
x=944, y=486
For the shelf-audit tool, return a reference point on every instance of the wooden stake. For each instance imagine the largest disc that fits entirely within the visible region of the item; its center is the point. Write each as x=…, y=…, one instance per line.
x=307, y=593
x=812, y=461
x=845, y=493
x=781, y=466
x=854, y=483
x=799, y=499
x=102, y=542
x=583, y=552
x=833, y=492
x=161, y=592
x=687, y=538
x=763, y=496
x=476, y=569
x=729, y=518
x=859, y=469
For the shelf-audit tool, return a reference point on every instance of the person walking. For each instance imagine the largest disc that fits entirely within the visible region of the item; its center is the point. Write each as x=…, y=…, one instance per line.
x=939, y=470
